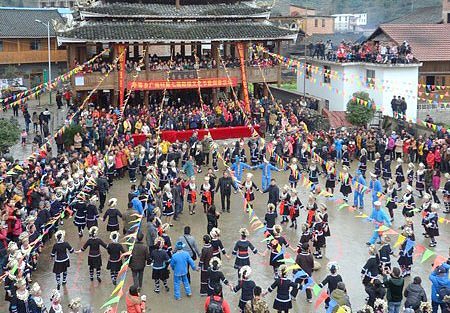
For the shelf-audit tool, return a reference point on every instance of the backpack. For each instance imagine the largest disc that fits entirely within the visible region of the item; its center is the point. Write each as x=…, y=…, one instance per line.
x=442, y=292
x=215, y=306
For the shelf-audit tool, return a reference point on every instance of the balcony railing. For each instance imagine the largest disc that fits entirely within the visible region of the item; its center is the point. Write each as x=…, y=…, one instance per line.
x=32, y=56
x=254, y=75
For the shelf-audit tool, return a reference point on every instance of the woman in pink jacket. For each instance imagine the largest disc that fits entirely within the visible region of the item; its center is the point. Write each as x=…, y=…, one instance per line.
x=16, y=226
x=119, y=163
x=436, y=185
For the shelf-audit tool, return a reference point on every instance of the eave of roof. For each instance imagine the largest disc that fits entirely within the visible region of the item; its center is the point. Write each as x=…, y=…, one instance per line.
x=159, y=32
x=87, y=15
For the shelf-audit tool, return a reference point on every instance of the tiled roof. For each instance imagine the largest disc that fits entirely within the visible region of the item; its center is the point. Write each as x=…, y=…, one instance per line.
x=183, y=31
x=168, y=10
x=20, y=23
x=429, y=42
x=427, y=15
x=182, y=2
x=337, y=118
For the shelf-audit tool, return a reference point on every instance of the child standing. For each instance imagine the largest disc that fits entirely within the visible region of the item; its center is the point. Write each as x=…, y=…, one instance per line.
x=160, y=259
x=24, y=135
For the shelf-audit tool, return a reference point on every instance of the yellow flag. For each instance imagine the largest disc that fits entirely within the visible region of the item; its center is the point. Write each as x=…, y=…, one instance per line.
x=400, y=240
x=119, y=285
x=293, y=267
x=340, y=310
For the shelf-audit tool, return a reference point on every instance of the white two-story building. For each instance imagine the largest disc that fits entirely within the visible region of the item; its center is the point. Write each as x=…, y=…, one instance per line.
x=349, y=22
x=335, y=83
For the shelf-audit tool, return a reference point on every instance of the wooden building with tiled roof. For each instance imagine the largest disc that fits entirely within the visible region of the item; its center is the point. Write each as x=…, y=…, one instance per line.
x=430, y=46
x=24, y=44
x=169, y=29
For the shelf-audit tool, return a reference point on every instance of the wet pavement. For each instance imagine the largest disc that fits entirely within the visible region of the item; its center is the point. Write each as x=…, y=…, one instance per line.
x=346, y=246
x=56, y=121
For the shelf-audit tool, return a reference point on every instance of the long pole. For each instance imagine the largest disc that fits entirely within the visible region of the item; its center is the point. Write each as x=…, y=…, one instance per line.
x=49, y=61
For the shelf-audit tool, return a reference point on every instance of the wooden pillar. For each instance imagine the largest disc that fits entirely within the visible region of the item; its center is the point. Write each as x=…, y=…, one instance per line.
x=147, y=71
x=265, y=90
x=183, y=50
x=71, y=56
x=115, y=94
x=172, y=50
x=215, y=55
x=278, y=48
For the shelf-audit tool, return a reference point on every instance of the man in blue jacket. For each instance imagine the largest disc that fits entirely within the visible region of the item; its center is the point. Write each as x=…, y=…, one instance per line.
x=180, y=262
x=440, y=287
x=358, y=197
x=267, y=169
x=379, y=217
x=375, y=186
x=238, y=168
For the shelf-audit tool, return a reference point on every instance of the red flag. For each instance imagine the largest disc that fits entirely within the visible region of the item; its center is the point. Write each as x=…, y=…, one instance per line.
x=320, y=299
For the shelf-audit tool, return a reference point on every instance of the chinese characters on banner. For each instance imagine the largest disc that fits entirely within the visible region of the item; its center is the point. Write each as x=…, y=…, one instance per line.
x=121, y=52
x=183, y=83
x=241, y=51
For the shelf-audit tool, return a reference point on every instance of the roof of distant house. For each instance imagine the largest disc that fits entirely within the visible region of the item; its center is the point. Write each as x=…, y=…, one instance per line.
x=21, y=22
x=429, y=42
x=426, y=15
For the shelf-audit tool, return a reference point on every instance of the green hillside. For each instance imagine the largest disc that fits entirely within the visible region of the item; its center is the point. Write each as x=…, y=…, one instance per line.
x=379, y=11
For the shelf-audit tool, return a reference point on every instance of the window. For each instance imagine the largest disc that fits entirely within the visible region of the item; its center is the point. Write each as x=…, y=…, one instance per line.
x=323, y=22
x=1, y=45
x=443, y=80
x=316, y=23
x=430, y=82
x=35, y=44
x=326, y=74
x=370, y=78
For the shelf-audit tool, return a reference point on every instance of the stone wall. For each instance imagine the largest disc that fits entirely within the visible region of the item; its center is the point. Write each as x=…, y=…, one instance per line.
x=439, y=115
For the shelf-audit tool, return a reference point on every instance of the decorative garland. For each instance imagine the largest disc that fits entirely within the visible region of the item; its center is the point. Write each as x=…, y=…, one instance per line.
x=35, y=91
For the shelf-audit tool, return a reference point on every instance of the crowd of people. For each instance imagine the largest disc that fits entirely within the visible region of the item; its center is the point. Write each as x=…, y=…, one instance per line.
x=178, y=63
x=362, y=52
x=166, y=177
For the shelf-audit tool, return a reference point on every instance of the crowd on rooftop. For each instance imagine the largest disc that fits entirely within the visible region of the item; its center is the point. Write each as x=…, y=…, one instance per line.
x=385, y=53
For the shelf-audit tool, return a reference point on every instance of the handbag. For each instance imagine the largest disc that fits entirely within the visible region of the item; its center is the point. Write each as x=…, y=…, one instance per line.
x=317, y=265
x=194, y=255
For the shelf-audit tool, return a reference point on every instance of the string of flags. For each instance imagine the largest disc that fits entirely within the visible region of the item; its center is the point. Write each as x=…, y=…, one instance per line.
x=337, y=75
x=360, y=80
x=397, y=115
x=130, y=239
x=81, y=195
x=37, y=90
x=42, y=150
x=258, y=226
x=436, y=102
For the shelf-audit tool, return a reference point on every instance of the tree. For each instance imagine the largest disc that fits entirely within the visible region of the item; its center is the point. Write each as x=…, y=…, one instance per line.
x=359, y=114
x=69, y=133
x=11, y=73
x=9, y=134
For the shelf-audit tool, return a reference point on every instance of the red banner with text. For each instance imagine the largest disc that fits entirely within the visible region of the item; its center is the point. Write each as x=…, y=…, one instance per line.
x=121, y=50
x=183, y=83
x=241, y=51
